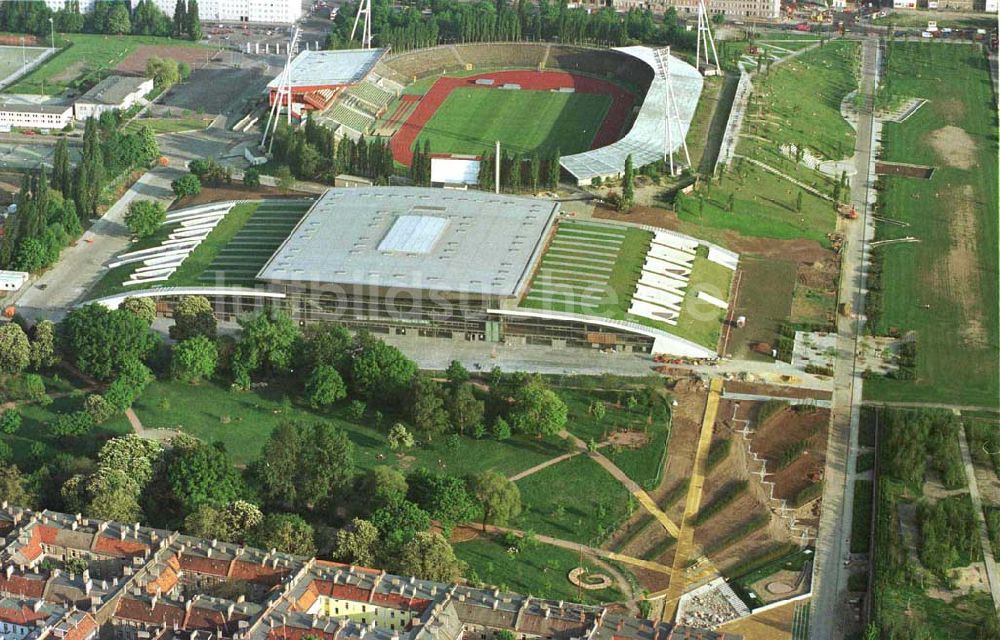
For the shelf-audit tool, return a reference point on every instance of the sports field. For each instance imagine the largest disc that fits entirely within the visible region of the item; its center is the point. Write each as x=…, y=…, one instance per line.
x=471, y=120
x=86, y=56
x=945, y=286
x=12, y=59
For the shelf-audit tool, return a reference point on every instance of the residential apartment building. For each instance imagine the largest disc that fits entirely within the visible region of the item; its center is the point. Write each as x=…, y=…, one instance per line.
x=266, y=11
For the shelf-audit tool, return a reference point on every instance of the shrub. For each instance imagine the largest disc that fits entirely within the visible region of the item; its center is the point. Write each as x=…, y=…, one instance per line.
x=99, y=409
x=10, y=421
x=186, y=185
x=730, y=492
x=808, y=493
x=791, y=453
x=768, y=409
x=144, y=217
x=717, y=452
x=71, y=424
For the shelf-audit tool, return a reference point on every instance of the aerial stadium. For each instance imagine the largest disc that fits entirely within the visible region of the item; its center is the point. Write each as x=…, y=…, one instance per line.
x=450, y=264
x=594, y=106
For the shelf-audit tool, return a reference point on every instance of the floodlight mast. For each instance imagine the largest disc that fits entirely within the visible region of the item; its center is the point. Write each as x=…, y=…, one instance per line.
x=705, y=39
x=671, y=114
x=284, y=88
x=364, y=9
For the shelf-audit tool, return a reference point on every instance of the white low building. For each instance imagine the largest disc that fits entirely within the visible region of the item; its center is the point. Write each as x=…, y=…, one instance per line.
x=34, y=116
x=13, y=280
x=114, y=92
x=266, y=11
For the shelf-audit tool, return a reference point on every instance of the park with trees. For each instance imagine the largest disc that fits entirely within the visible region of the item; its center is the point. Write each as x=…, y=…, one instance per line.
x=311, y=440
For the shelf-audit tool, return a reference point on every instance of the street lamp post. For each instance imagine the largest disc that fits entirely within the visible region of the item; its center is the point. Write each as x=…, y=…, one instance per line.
x=52, y=26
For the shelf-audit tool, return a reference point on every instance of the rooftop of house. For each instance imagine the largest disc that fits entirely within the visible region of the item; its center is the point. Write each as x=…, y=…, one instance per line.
x=112, y=90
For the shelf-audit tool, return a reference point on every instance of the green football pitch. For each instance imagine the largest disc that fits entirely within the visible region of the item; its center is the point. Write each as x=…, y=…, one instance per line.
x=471, y=120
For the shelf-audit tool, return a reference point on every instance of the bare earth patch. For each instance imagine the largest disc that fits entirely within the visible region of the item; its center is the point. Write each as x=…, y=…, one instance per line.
x=958, y=273
x=955, y=147
x=71, y=72
x=629, y=439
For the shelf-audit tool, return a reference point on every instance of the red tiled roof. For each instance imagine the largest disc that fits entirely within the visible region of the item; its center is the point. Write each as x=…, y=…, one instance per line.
x=199, y=564
x=209, y=620
x=330, y=563
x=23, y=616
x=83, y=629
x=399, y=602
x=164, y=582
x=162, y=614
x=116, y=547
x=253, y=572
x=295, y=633
x=348, y=592
x=22, y=586
x=47, y=534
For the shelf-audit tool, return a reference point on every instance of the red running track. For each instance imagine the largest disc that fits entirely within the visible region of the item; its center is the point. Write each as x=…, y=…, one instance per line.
x=611, y=128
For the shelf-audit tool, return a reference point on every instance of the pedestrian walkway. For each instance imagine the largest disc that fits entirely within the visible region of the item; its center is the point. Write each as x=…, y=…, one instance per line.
x=685, y=540
x=988, y=559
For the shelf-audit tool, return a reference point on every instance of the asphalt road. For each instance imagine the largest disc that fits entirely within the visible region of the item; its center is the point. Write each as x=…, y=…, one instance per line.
x=830, y=617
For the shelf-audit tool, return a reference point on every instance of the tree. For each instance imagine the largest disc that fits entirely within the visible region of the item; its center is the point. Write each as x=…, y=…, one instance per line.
x=187, y=185
x=180, y=18
x=107, y=494
x=466, y=411
x=119, y=23
x=193, y=316
x=136, y=456
x=268, y=343
x=10, y=421
x=231, y=523
x=381, y=371
x=399, y=437
x=327, y=344
x=164, y=71
x=456, y=373
x=13, y=487
x=144, y=217
x=43, y=346
x=286, y=532
x=192, y=22
x=325, y=387
x=303, y=465
x=15, y=350
x=62, y=171
x=427, y=406
x=358, y=544
x=399, y=522
x=194, y=359
x=428, y=556
x=798, y=202
x=444, y=497
x=100, y=341
x=537, y=410
x=99, y=409
x=501, y=429
x=143, y=308
x=199, y=473
x=628, y=185
x=251, y=178
x=382, y=486
x=499, y=498
x=89, y=176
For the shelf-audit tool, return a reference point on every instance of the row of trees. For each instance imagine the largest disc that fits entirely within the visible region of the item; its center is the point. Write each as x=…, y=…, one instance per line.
x=113, y=17
x=313, y=152
x=45, y=222
x=452, y=21
x=519, y=173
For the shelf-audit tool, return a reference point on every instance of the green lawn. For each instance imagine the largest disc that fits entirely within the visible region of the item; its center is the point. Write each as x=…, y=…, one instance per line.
x=862, y=520
x=86, y=57
x=523, y=121
x=798, y=102
x=953, y=19
x=764, y=205
x=574, y=500
x=945, y=286
x=537, y=569
x=643, y=464
x=243, y=422
x=701, y=322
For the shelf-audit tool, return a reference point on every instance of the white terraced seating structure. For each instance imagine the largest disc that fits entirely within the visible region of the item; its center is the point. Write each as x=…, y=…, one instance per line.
x=663, y=282
x=160, y=262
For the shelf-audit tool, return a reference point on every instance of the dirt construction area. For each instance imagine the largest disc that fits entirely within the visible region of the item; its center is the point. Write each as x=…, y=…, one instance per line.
x=195, y=57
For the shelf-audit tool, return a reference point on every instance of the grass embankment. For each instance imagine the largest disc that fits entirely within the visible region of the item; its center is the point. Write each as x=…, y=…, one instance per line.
x=471, y=120
x=945, y=286
x=84, y=60
x=168, y=125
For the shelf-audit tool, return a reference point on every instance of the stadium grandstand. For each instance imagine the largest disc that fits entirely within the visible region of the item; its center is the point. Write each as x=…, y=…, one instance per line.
x=341, y=87
x=646, y=140
x=476, y=266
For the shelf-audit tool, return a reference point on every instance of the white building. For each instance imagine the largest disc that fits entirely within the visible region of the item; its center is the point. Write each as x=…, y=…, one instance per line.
x=992, y=6
x=114, y=92
x=34, y=116
x=269, y=11
x=13, y=280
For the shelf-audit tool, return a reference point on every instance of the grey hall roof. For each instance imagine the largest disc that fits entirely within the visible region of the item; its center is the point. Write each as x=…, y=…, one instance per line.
x=416, y=238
